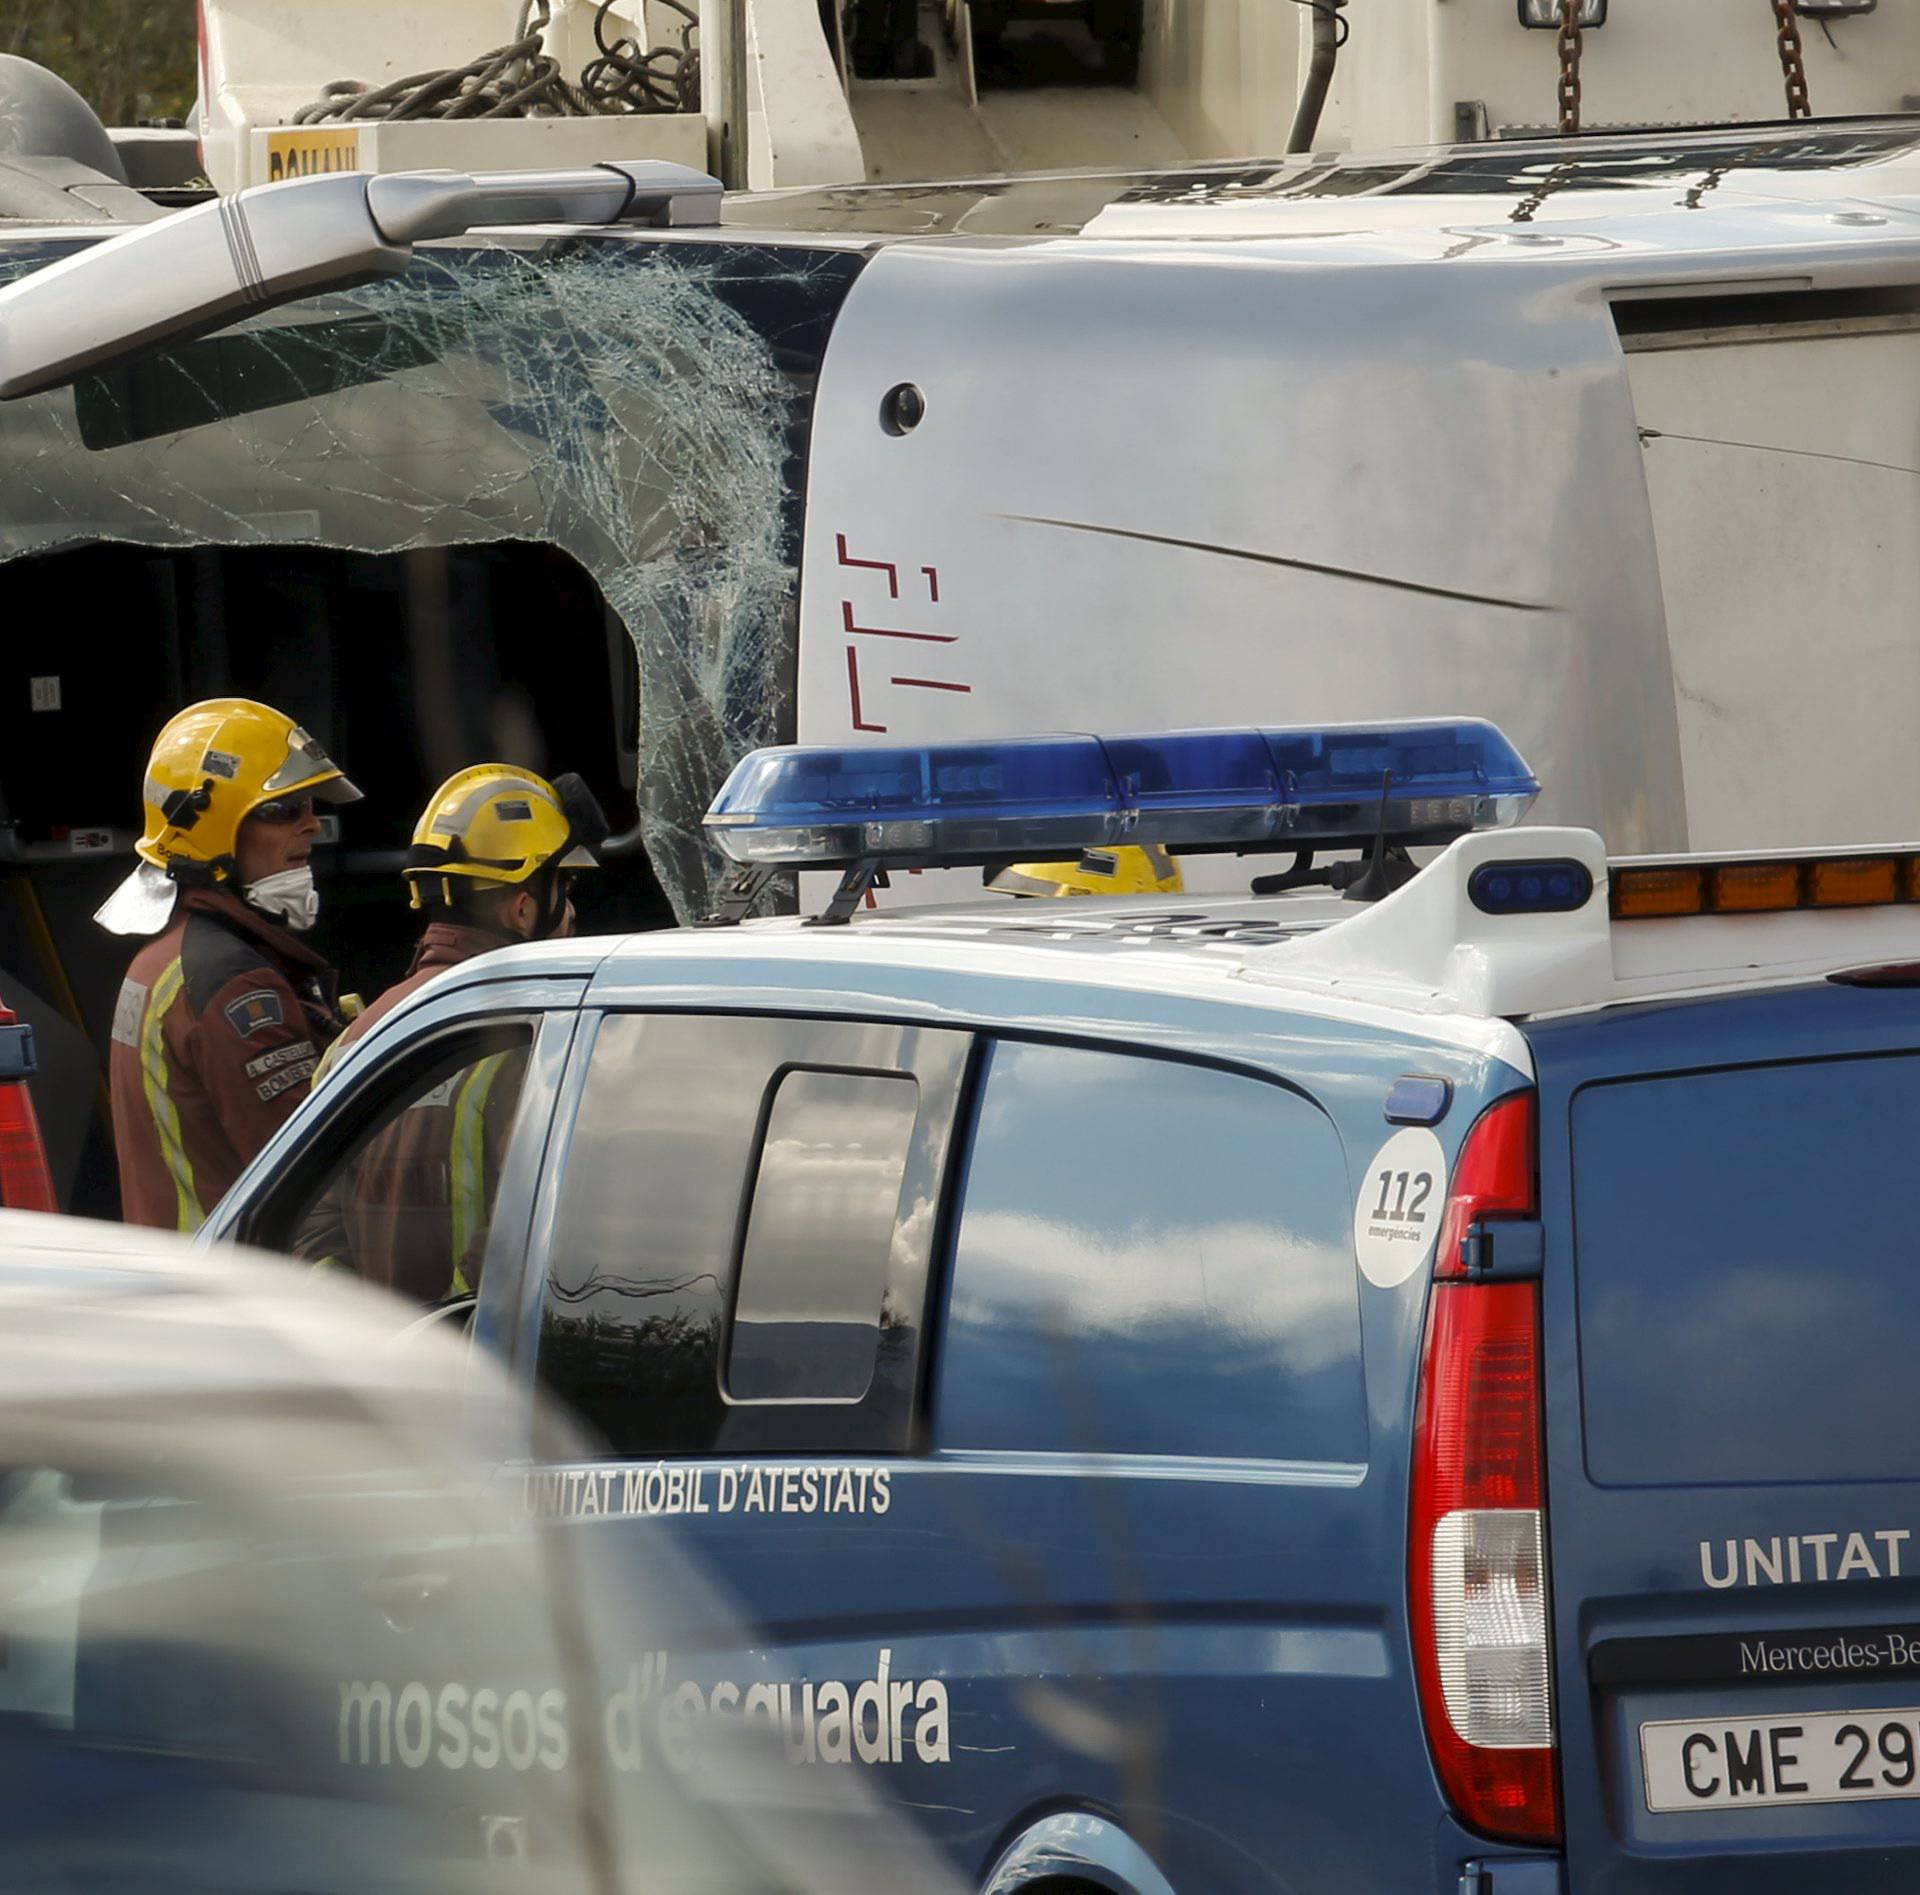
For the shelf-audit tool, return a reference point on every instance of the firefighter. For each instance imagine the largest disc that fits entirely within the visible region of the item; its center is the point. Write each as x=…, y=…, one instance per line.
x=490, y=865
x=491, y=858
x=1133, y=869
x=220, y=1020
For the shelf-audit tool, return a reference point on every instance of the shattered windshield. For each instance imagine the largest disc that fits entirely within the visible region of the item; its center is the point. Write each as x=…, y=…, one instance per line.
x=640, y=405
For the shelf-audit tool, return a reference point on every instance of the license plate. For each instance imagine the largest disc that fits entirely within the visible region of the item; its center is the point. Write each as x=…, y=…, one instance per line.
x=1812, y=1757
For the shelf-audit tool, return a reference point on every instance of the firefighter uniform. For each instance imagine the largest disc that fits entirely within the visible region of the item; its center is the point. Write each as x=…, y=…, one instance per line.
x=218, y=1028
x=221, y=1019
x=444, y=944
x=414, y=1212
x=414, y=1209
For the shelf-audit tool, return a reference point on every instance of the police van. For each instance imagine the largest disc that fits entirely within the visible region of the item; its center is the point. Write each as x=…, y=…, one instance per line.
x=1400, y=1381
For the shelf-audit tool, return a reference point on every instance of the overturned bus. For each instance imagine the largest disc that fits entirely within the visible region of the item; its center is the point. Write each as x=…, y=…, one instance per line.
x=1610, y=440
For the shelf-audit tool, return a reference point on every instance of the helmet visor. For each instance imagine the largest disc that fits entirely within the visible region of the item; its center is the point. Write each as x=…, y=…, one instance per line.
x=308, y=767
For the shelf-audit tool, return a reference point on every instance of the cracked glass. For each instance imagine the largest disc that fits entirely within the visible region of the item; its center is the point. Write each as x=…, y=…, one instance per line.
x=641, y=405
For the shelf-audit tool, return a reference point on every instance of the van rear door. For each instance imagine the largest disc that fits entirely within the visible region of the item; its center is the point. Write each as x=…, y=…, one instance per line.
x=1732, y=1336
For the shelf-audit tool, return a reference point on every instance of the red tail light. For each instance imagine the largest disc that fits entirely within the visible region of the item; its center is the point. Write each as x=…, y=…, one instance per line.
x=1495, y=1174
x=1477, y=1579
x=25, y=1182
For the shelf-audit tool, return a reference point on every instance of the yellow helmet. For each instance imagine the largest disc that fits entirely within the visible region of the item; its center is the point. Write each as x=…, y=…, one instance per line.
x=213, y=766
x=1137, y=869
x=498, y=827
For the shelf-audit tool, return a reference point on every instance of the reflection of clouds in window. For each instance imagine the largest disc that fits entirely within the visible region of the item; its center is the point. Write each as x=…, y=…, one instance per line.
x=627, y=401
x=1249, y=1287
x=913, y=1234
x=1153, y=1257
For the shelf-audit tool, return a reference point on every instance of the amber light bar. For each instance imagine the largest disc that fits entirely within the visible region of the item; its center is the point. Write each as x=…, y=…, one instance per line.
x=1874, y=880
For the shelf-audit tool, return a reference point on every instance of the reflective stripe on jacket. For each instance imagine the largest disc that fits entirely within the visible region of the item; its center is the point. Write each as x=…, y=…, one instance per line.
x=219, y=1025
x=413, y=1211
x=471, y=1191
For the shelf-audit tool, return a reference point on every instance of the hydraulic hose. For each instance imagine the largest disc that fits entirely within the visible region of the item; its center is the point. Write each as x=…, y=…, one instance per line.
x=1329, y=35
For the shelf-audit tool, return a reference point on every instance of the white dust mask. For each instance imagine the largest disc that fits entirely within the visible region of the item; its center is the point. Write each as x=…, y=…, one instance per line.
x=290, y=895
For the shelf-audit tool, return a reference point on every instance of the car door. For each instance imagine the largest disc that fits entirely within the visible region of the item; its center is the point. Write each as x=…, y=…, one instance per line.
x=1152, y=1476
x=729, y=1286
x=1733, y=1478
x=443, y=1671
x=1099, y=1511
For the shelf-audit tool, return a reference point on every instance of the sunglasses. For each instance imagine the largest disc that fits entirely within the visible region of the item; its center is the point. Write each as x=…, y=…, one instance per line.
x=282, y=811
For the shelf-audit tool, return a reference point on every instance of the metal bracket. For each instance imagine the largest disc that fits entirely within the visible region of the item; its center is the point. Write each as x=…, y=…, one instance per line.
x=1512, y=1875
x=1504, y=1250
x=847, y=897
x=738, y=893
x=1472, y=124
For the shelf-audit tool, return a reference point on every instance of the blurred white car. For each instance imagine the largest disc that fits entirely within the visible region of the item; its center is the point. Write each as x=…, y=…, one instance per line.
x=273, y=1615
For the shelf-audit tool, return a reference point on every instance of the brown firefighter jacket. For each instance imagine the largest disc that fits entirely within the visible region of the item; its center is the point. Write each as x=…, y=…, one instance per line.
x=412, y=1212
x=444, y=944
x=219, y=1024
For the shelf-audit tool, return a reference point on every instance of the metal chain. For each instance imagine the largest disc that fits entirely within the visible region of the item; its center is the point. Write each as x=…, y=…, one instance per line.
x=1558, y=179
x=1793, y=58
x=1569, y=67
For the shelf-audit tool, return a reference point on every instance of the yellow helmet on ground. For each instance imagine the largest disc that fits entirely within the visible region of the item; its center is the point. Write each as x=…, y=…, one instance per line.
x=215, y=765
x=1137, y=869
x=497, y=826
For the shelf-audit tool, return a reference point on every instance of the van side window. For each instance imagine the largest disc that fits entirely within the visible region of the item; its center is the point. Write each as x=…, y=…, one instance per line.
x=1152, y=1258
x=742, y=1230
x=402, y=1192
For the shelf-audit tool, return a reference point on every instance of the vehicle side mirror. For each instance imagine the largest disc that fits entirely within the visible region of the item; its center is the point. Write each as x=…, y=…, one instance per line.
x=203, y=268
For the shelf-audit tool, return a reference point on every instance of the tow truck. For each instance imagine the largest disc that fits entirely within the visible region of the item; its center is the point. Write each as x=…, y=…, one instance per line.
x=1607, y=438
x=787, y=93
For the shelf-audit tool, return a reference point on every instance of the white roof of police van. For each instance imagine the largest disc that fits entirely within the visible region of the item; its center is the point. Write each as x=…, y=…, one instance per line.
x=1424, y=958
x=985, y=963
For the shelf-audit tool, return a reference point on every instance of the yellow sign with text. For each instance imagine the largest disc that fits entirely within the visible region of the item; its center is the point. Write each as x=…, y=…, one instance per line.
x=305, y=151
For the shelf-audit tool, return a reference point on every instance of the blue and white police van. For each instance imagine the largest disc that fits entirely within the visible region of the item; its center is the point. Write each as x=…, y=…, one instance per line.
x=1403, y=1381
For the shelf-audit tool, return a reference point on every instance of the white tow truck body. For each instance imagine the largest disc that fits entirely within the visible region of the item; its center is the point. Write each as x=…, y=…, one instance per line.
x=782, y=105
x=1615, y=449
x=1608, y=442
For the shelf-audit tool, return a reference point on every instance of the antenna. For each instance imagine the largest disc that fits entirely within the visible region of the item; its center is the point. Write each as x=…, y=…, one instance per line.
x=1378, y=881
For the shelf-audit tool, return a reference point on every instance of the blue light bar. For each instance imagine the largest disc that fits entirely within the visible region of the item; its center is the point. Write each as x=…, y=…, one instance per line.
x=956, y=804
